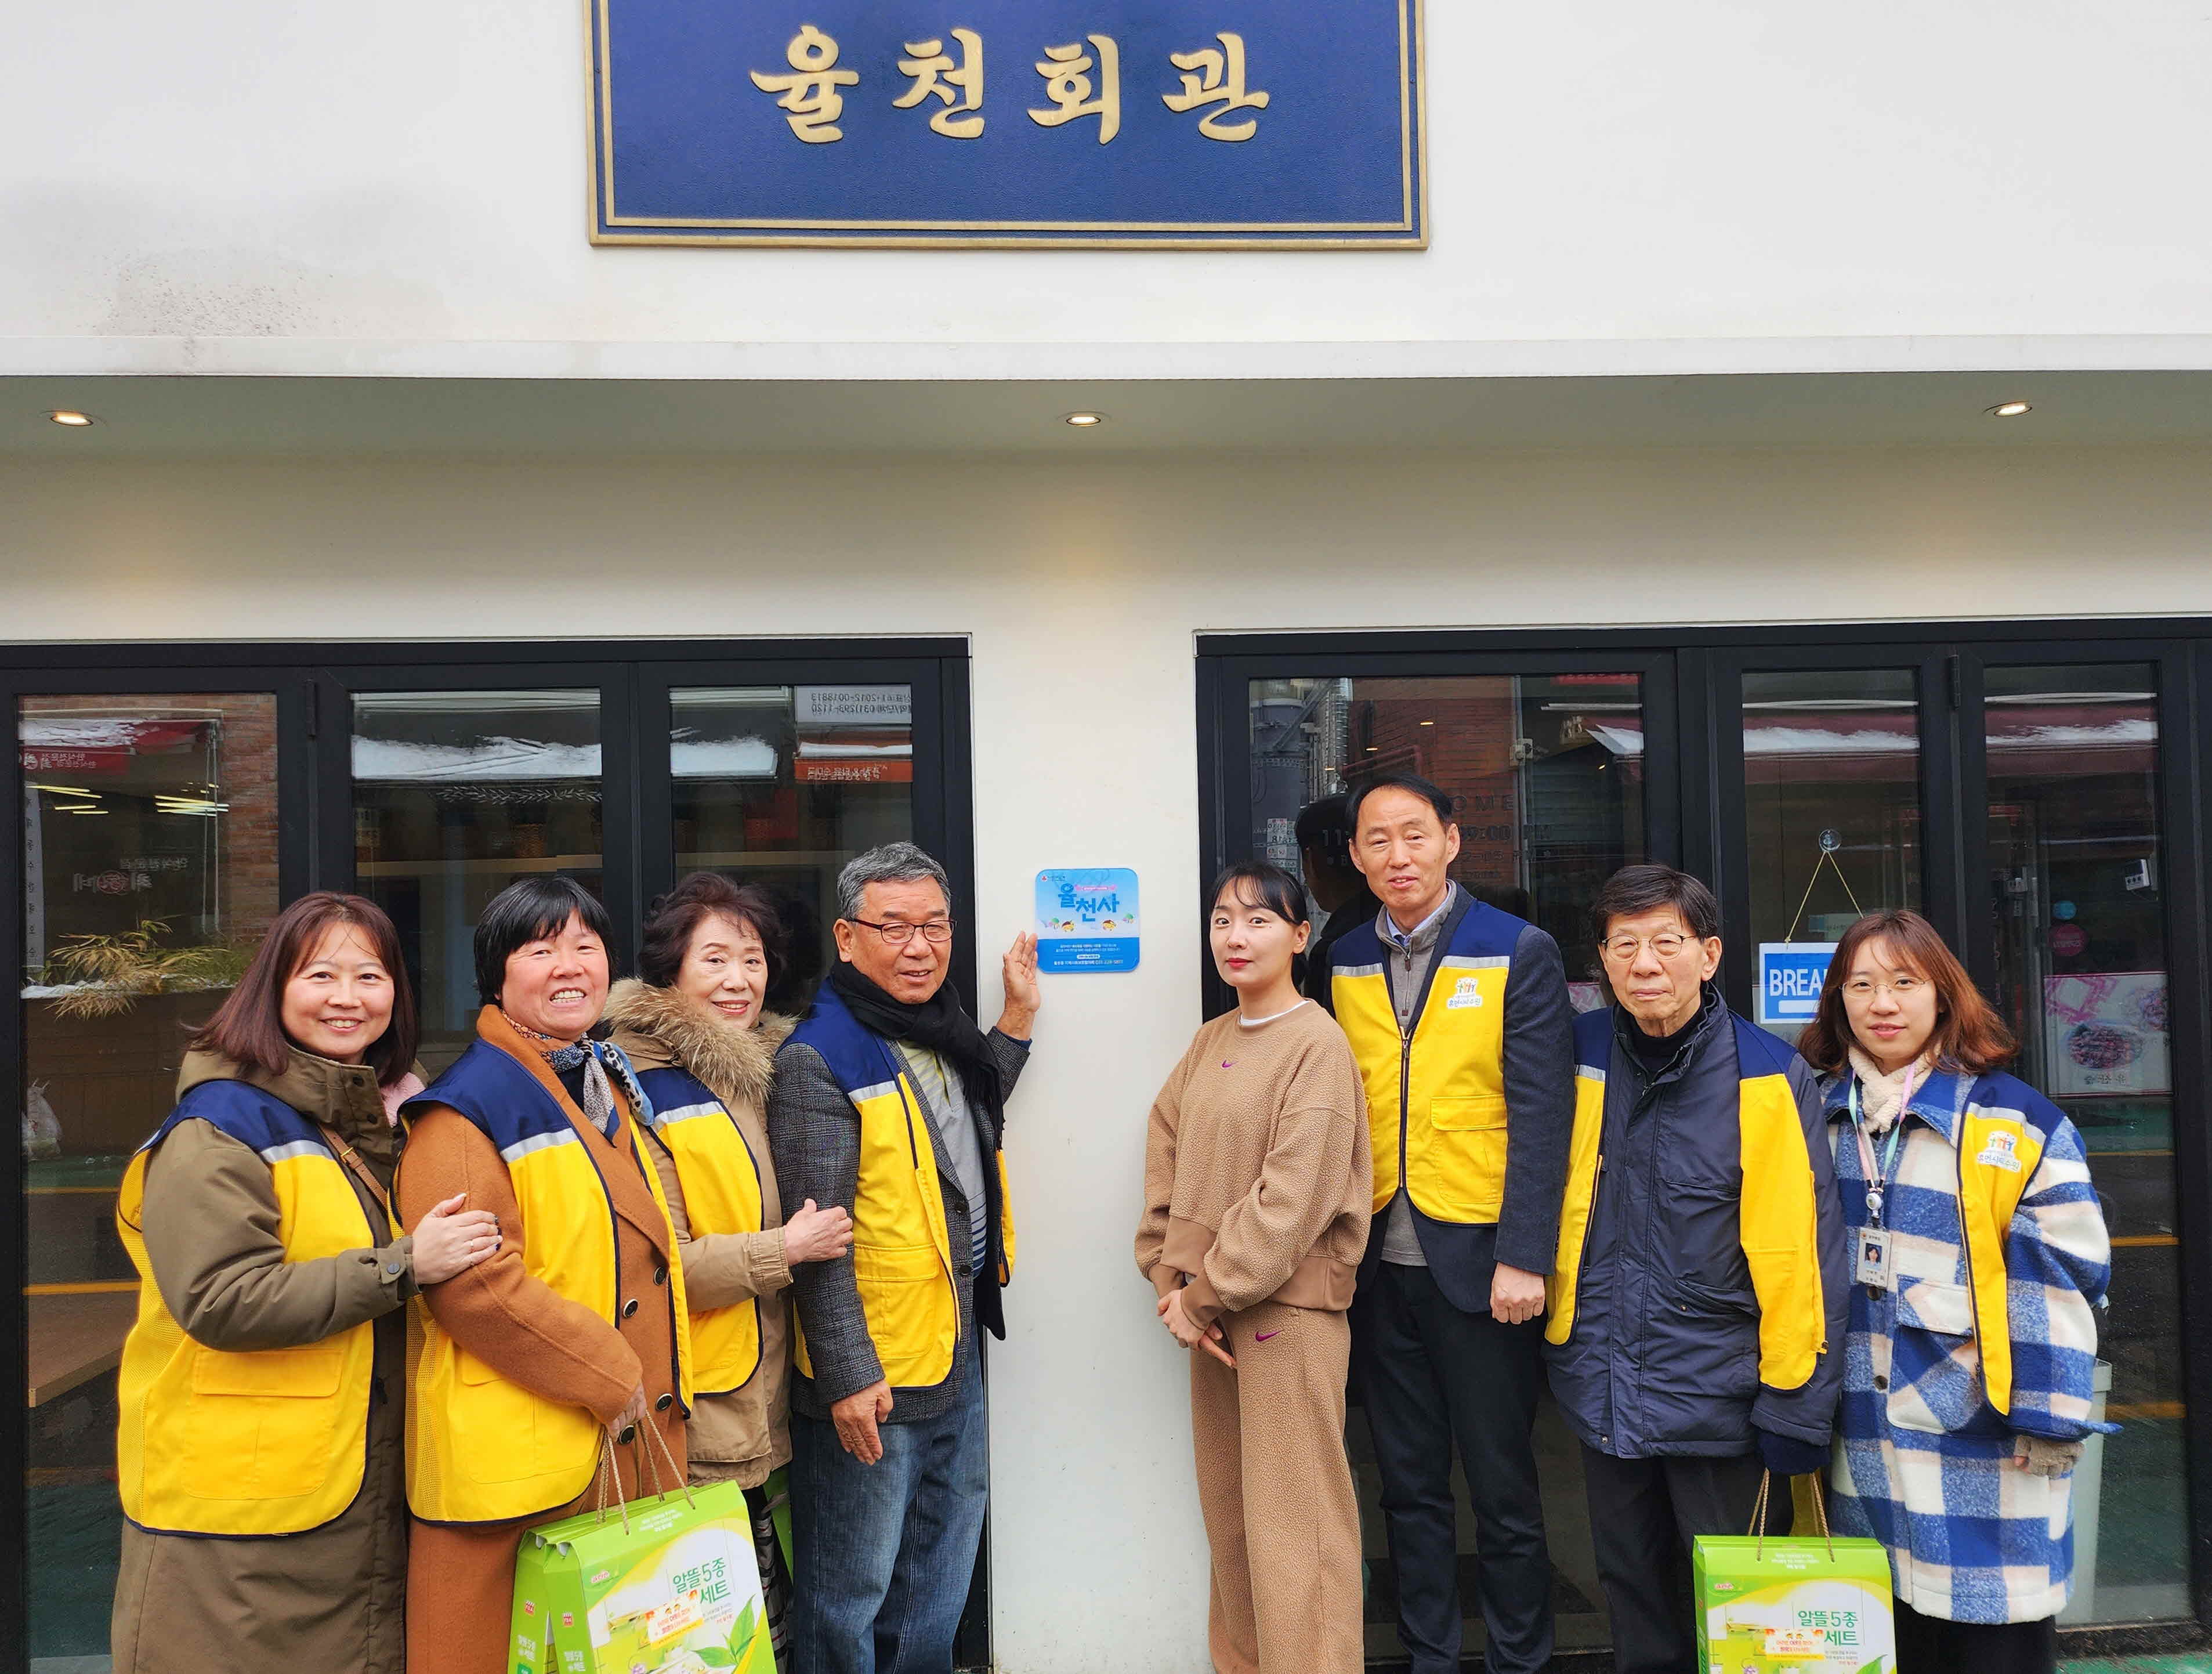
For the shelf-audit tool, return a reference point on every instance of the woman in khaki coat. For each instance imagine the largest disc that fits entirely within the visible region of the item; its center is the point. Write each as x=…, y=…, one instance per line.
x=704, y=1049
x=268, y=1265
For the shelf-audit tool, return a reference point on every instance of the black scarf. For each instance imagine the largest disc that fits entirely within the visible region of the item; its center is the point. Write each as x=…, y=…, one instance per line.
x=937, y=1025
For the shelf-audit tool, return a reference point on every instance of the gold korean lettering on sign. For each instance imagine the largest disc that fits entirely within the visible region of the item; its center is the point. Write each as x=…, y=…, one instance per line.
x=811, y=93
x=932, y=71
x=1066, y=72
x=1212, y=77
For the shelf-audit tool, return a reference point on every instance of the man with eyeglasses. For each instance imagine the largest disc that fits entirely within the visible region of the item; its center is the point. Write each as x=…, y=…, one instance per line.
x=1699, y=1299
x=889, y=1097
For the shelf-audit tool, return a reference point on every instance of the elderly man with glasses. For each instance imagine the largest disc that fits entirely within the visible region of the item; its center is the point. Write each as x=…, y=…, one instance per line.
x=889, y=1098
x=1700, y=1298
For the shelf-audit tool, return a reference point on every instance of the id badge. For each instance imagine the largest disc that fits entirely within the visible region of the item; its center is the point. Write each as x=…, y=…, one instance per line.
x=1874, y=1257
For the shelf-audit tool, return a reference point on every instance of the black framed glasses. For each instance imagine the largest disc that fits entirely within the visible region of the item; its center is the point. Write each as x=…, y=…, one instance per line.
x=936, y=931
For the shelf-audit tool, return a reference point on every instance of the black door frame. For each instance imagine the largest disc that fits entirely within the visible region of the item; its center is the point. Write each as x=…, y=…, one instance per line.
x=1695, y=819
x=312, y=682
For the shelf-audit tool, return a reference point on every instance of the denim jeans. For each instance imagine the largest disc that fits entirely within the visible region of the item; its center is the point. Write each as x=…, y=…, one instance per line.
x=885, y=1550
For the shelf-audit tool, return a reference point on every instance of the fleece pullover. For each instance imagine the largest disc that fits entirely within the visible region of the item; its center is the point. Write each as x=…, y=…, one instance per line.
x=1258, y=1178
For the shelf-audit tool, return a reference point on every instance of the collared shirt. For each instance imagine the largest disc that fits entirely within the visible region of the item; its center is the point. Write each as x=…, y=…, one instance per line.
x=1407, y=964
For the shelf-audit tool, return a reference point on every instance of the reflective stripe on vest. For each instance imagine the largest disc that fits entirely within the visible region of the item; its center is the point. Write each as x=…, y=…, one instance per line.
x=902, y=1258
x=1778, y=1212
x=722, y=1194
x=1441, y=1101
x=1989, y=1192
x=266, y=1441
x=481, y=1449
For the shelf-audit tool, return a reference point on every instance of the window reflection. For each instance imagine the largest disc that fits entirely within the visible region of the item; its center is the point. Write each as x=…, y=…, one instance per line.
x=780, y=786
x=1831, y=814
x=456, y=794
x=150, y=841
x=1548, y=776
x=2074, y=832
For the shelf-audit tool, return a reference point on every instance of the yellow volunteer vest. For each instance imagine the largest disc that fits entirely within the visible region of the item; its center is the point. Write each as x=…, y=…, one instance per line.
x=902, y=1258
x=481, y=1449
x=1777, y=1224
x=271, y=1441
x=721, y=1193
x=1435, y=1098
x=1998, y=1156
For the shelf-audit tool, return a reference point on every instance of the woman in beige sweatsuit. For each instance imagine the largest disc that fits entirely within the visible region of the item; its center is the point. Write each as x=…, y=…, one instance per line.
x=1257, y=1181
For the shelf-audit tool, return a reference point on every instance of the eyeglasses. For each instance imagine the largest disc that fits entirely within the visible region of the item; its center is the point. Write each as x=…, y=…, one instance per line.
x=1668, y=944
x=936, y=932
x=1900, y=988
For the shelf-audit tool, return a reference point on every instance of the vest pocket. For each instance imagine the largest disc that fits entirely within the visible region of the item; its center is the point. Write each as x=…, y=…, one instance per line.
x=493, y=1423
x=913, y=1317
x=263, y=1423
x=1460, y=1175
x=1935, y=1363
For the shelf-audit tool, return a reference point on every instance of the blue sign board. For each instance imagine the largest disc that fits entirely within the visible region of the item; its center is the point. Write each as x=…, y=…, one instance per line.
x=1086, y=919
x=1790, y=978
x=1147, y=124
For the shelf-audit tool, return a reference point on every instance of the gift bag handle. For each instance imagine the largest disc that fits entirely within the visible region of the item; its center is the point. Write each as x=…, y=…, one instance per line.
x=1759, y=1516
x=668, y=1453
x=609, y=1474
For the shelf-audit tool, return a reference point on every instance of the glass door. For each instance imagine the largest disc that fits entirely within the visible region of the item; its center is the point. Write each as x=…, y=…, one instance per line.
x=2074, y=946
x=1560, y=769
x=151, y=843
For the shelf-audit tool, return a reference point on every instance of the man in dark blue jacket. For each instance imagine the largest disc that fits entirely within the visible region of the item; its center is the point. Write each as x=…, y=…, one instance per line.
x=1700, y=1298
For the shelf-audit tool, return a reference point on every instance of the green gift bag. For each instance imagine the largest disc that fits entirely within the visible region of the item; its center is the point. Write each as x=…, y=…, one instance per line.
x=1796, y=1606
x=667, y=1584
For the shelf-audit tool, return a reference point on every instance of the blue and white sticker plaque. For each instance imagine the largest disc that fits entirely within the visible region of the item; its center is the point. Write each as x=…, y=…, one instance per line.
x=1086, y=919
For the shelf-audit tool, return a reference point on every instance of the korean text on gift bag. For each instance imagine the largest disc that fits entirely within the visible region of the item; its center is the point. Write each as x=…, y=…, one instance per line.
x=668, y=1584
x=1805, y=1606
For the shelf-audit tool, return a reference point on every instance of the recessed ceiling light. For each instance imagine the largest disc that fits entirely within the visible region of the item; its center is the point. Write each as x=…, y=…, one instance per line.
x=1084, y=420
x=2009, y=410
x=72, y=417
x=1425, y=723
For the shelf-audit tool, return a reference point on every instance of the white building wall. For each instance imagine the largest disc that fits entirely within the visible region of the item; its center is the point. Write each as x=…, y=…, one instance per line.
x=1609, y=170
x=1081, y=587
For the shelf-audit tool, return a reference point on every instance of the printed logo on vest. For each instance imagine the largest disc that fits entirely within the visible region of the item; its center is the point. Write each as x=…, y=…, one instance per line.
x=1468, y=992
x=1997, y=1153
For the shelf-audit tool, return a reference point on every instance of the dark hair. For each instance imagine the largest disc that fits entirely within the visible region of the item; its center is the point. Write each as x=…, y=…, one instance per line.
x=1435, y=797
x=248, y=1027
x=526, y=910
x=1969, y=1034
x=1324, y=828
x=675, y=916
x=1642, y=889
x=1278, y=890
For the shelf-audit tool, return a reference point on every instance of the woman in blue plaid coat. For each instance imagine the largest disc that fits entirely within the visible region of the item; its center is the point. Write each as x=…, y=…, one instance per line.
x=1979, y=1257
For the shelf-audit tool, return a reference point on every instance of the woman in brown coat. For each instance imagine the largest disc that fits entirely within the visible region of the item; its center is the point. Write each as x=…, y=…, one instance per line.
x=704, y=1050
x=569, y=1336
x=269, y=1535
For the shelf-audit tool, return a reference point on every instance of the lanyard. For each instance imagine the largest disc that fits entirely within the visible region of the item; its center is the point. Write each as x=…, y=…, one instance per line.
x=1877, y=1180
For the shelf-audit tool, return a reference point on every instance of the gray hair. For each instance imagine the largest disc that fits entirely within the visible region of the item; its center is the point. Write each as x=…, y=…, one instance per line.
x=889, y=863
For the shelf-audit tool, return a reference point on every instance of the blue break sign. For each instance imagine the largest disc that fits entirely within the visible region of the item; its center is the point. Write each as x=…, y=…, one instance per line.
x=1086, y=919
x=1790, y=978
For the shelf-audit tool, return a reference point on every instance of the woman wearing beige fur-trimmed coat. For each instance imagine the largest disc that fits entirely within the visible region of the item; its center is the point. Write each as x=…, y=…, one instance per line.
x=695, y=1029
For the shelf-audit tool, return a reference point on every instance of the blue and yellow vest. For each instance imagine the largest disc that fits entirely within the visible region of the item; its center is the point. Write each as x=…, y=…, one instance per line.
x=903, y=1260
x=1777, y=1218
x=481, y=1449
x=721, y=1193
x=1436, y=1095
x=266, y=1441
